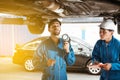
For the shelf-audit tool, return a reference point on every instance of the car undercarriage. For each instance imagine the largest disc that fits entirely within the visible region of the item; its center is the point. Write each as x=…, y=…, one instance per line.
x=39, y=12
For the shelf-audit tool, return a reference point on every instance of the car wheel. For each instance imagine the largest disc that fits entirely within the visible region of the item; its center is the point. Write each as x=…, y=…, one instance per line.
x=94, y=70
x=28, y=64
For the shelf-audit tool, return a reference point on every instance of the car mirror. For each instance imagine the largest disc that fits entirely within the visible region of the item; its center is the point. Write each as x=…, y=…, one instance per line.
x=80, y=49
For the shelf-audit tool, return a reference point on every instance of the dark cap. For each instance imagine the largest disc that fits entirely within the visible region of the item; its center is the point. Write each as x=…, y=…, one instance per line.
x=52, y=21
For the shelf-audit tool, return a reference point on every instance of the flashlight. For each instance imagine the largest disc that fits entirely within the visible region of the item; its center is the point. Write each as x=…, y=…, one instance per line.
x=66, y=38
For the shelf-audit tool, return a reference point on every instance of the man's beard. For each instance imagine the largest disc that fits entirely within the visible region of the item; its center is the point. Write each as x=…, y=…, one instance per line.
x=56, y=33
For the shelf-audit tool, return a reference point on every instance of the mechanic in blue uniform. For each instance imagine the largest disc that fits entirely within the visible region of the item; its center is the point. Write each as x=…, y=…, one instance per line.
x=54, y=54
x=106, y=53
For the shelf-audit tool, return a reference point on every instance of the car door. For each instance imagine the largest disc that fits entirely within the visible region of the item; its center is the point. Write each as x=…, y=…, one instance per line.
x=82, y=54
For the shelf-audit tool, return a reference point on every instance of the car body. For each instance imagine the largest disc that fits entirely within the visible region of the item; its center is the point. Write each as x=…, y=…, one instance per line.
x=83, y=50
x=38, y=12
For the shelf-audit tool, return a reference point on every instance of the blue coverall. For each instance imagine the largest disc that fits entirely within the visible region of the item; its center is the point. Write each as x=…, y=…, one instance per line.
x=108, y=53
x=48, y=50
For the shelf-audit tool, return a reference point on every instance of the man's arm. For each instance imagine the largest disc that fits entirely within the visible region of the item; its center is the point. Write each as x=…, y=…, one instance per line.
x=116, y=65
x=96, y=53
x=70, y=56
x=39, y=61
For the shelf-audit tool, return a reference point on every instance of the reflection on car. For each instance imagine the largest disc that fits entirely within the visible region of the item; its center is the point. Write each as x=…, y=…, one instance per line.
x=23, y=54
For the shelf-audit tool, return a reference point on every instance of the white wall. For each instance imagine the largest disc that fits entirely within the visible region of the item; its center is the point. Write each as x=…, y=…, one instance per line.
x=10, y=35
x=89, y=32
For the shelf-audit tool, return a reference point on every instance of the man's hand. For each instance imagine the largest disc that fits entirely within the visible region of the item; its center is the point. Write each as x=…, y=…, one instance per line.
x=66, y=47
x=50, y=62
x=96, y=65
x=106, y=66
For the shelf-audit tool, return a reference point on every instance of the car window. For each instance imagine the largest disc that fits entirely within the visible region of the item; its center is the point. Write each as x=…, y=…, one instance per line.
x=32, y=45
x=79, y=48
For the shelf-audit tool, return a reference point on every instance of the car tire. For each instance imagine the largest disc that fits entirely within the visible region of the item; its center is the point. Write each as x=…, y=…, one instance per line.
x=94, y=71
x=28, y=65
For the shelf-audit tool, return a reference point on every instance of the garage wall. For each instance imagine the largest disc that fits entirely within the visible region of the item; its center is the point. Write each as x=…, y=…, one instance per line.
x=5, y=40
x=12, y=34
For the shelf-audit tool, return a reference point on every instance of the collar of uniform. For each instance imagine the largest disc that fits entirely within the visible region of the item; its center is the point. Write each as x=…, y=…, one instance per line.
x=60, y=43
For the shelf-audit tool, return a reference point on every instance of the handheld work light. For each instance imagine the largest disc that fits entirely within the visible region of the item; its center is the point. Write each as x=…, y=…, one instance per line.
x=66, y=38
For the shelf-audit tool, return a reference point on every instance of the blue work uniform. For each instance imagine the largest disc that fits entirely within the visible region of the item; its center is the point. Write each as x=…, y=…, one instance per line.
x=48, y=50
x=108, y=53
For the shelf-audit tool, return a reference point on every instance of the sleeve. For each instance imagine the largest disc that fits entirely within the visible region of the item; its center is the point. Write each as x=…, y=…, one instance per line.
x=116, y=65
x=39, y=62
x=70, y=57
x=96, y=53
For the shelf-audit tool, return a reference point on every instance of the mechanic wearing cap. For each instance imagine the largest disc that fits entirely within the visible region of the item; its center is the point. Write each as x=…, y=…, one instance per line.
x=53, y=56
x=106, y=52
